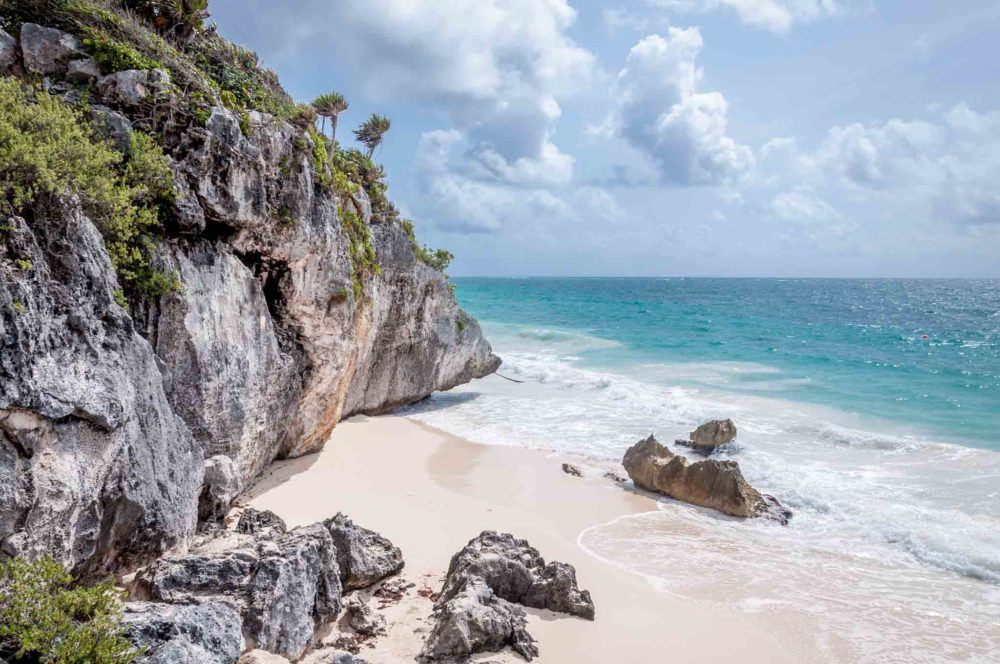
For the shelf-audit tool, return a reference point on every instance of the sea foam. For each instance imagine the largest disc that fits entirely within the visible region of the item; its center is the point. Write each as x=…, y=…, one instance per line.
x=898, y=526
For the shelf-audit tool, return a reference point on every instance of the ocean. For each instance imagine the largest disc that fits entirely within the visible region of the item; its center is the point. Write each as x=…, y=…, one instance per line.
x=871, y=408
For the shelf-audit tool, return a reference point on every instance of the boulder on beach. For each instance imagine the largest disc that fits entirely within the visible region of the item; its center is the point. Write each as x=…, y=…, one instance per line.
x=281, y=586
x=478, y=608
x=710, y=483
x=710, y=435
x=364, y=556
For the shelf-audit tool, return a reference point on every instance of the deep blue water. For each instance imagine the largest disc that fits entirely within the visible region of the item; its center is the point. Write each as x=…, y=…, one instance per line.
x=922, y=353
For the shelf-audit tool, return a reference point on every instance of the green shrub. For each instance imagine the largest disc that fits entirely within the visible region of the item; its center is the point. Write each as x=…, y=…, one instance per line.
x=439, y=259
x=363, y=260
x=320, y=157
x=113, y=55
x=237, y=70
x=24, y=264
x=359, y=168
x=48, y=150
x=120, y=39
x=44, y=619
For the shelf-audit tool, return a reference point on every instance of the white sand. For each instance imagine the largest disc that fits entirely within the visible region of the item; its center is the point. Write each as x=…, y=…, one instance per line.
x=430, y=493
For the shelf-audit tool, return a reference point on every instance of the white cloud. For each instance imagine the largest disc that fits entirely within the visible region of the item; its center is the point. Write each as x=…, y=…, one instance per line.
x=880, y=154
x=497, y=69
x=551, y=167
x=660, y=111
x=618, y=18
x=944, y=169
x=774, y=15
x=464, y=203
x=803, y=205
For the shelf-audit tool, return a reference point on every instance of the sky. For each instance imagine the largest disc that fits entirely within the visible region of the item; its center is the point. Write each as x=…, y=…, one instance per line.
x=790, y=138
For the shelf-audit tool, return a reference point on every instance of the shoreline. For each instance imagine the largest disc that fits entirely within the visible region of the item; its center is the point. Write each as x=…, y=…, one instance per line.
x=431, y=492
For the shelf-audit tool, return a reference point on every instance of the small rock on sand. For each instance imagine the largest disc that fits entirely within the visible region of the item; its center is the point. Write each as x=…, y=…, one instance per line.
x=570, y=469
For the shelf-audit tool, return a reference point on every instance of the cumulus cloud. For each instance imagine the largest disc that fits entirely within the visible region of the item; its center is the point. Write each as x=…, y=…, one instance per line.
x=774, y=15
x=660, y=111
x=463, y=203
x=944, y=169
x=496, y=68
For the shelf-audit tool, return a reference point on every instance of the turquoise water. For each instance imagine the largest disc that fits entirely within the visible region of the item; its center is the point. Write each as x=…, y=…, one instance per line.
x=856, y=345
x=871, y=408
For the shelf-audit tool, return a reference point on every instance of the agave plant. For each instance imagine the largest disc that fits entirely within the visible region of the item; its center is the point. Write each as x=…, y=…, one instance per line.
x=330, y=105
x=371, y=132
x=182, y=19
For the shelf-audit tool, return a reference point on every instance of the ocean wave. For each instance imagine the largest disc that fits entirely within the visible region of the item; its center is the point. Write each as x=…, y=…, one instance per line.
x=827, y=588
x=507, y=335
x=900, y=497
x=553, y=370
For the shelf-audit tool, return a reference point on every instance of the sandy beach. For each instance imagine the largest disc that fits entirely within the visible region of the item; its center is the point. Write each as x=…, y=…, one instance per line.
x=430, y=492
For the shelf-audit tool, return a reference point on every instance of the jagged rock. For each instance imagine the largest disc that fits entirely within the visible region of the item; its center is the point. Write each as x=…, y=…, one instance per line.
x=114, y=126
x=364, y=556
x=615, y=477
x=261, y=657
x=476, y=610
x=296, y=587
x=187, y=212
x=8, y=52
x=475, y=620
x=710, y=435
x=185, y=578
x=130, y=88
x=205, y=633
x=82, y=71
x=518, y=573
x=262, y=524
x=710, y=483
x=284, y=588
x=332, y=656
x=362, y=618
x=47, y=50
x=221, y=486
x=99, y=472
x=776, y=511
x=362, y=205
x=570, y=469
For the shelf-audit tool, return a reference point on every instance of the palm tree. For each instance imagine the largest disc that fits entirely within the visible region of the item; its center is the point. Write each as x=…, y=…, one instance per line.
x=330, y=105
x=371, y=132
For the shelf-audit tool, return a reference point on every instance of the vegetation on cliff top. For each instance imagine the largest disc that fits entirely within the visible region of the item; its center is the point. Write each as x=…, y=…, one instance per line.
x=47, y=150
x=205, y=70
x=146, y=34
x=43, y=619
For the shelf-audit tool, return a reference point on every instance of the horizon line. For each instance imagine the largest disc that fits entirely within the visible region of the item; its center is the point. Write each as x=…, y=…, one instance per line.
x=772, y=277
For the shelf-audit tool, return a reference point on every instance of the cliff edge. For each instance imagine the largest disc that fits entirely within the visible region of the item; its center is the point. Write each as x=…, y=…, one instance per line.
x=289, y=295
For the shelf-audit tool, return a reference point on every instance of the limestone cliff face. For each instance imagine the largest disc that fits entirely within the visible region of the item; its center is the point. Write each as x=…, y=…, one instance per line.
x=120, y=428
x=96, y=467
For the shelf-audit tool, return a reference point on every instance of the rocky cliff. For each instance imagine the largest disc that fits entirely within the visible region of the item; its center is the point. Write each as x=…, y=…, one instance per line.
x=124, y=424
